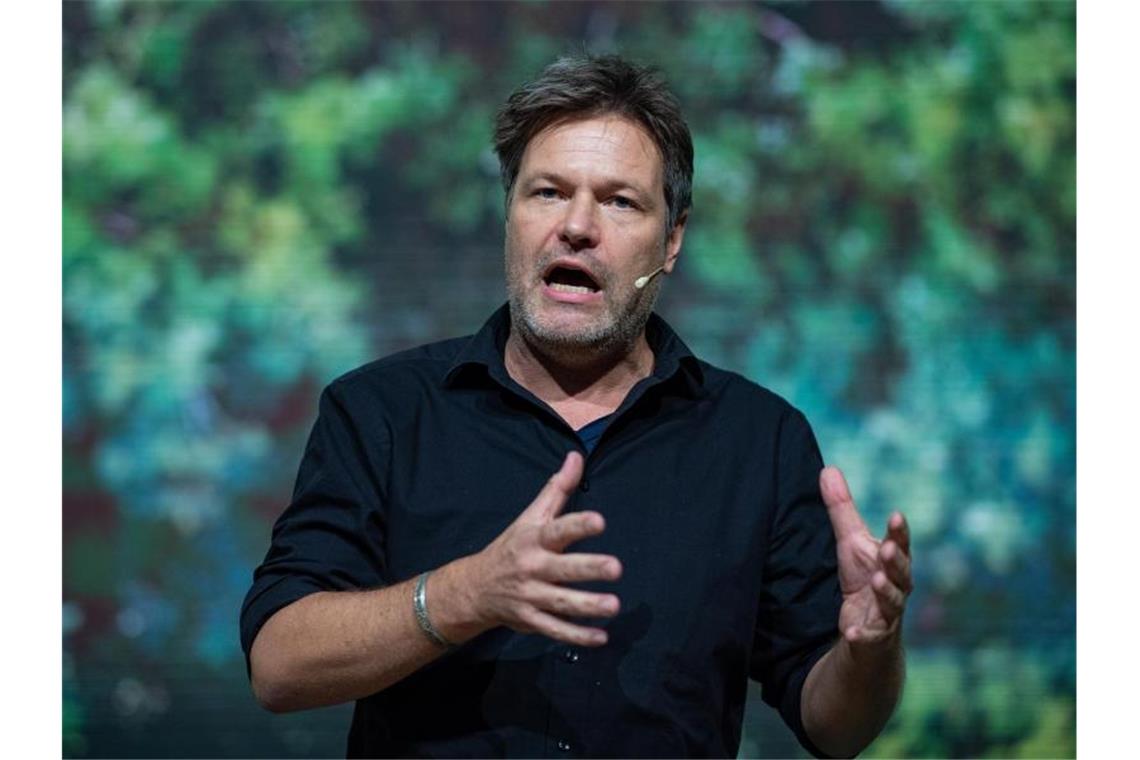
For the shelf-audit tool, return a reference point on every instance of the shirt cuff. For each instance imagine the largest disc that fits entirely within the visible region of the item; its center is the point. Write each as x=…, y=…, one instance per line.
x=262, y=603
x=792, y=709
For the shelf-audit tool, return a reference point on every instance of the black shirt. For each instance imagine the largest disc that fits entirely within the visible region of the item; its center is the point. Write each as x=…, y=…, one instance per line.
x=709, y=487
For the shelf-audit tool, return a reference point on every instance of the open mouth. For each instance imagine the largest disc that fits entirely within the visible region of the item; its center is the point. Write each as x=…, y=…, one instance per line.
x=567, y=280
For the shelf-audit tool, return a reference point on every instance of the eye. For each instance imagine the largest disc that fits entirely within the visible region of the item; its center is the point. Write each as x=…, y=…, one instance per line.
x=623, y=202
x=547, y=193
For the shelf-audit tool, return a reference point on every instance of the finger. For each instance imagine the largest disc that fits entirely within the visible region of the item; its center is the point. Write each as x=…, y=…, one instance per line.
x=557, y=490
x=896, y=564
x=845, y=519
x=556, y=628
x=569, y=602
x=573, y=568
x=891, y=599
x=559, y=533
x=899, y=531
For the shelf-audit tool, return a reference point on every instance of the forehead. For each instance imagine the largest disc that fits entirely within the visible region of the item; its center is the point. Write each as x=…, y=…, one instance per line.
x=610, y=147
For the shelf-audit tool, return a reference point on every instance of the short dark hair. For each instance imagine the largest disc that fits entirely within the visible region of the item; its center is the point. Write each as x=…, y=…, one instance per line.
x=584, y=86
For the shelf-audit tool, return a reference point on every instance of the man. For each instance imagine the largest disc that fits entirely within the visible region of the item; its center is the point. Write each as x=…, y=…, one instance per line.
x=431, y=568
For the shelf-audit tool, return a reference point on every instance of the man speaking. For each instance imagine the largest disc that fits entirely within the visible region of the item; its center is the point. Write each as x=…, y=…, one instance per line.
x=567, y=535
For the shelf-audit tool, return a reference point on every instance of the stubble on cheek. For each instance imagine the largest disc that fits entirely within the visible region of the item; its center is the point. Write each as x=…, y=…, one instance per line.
x=614, y=326
x=618, y=323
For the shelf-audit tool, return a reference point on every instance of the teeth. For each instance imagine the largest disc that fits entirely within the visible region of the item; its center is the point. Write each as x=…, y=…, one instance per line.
x=564, y=288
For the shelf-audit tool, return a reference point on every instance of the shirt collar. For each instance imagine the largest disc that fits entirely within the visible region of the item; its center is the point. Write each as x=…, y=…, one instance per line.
x=672, y=358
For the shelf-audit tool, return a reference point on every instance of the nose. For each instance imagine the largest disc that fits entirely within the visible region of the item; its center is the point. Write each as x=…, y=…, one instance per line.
x=579, y=225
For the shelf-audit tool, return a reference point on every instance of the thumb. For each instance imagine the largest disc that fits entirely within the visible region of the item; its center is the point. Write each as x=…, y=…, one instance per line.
x=845, y=519
x=552, y=498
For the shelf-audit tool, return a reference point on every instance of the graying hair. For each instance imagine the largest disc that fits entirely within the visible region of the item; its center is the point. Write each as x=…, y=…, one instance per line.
x=579, y=87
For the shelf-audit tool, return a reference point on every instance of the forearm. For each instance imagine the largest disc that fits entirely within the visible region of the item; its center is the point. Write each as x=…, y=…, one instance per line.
x=850, y=694
x=333, y=647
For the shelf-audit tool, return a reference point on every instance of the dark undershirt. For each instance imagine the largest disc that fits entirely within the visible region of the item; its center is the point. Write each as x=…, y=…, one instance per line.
x=592, y=431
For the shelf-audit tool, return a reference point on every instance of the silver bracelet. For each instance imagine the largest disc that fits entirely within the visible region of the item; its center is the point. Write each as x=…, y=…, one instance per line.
x=419, y=604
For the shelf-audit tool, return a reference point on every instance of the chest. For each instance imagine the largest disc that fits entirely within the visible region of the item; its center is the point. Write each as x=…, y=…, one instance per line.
x=686, y=505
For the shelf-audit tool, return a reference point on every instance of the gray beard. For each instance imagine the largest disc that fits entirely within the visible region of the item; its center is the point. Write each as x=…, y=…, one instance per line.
x=614, y=339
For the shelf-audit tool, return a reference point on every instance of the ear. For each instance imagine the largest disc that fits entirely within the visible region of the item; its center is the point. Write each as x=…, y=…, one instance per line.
x=673, y=242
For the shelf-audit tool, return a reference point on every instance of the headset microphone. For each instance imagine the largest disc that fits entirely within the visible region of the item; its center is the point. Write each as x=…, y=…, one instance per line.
x=642, y=281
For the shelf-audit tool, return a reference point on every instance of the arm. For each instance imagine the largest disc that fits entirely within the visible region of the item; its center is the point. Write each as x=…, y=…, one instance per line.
x=850, y=694
x=332, y=647
x=335, y=646
x=851, y=691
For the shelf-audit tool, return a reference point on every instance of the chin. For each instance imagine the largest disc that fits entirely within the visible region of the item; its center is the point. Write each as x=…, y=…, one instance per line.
x=576, y=339
x=565, y=331
x=569, y=333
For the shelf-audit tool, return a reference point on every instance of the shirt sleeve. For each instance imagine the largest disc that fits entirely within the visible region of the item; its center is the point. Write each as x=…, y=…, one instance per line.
x=331, y=535
x=798, y=615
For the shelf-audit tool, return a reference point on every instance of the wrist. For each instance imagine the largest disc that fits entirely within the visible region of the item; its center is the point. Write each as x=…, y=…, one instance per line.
x=452, y=603
x=419, y=606
x=872, y=654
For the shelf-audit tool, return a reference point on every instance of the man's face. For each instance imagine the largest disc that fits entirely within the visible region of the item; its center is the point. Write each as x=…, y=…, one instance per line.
x=586, y=219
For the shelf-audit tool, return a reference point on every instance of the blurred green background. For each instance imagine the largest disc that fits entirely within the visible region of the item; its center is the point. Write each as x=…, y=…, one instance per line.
x=261, y=196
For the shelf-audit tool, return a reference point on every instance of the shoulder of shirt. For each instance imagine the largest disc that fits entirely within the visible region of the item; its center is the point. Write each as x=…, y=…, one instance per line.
x=427, y=362
x=743, y=393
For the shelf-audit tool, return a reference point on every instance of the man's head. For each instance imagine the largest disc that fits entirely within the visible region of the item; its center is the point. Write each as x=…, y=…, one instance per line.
x=597, y=166
x=581, y=87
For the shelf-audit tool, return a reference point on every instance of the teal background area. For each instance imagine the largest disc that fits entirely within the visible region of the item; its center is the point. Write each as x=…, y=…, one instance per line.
x=261, y=196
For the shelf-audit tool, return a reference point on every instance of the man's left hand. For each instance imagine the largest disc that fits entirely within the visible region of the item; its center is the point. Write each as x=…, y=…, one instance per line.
x=874, y=576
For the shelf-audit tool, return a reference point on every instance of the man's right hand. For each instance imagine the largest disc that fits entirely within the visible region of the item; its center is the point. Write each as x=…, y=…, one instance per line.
x=516, y=581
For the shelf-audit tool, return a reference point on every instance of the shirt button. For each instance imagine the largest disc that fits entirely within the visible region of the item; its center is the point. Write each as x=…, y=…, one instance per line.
x=570, y=655
x=584, y=485
x=564, y=745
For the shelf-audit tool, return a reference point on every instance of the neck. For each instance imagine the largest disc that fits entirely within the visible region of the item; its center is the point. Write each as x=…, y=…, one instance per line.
x=579, y=385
